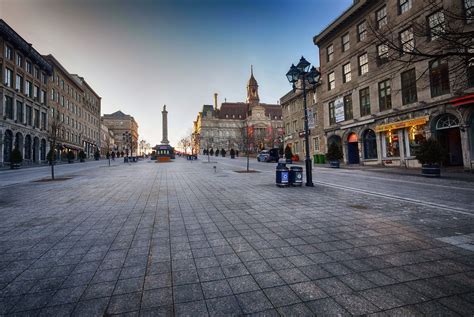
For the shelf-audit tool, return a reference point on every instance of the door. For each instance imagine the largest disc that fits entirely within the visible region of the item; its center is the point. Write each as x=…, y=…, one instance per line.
x=450, y=139
x=353, y=152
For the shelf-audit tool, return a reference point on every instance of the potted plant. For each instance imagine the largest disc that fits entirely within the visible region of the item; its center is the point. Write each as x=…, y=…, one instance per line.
x=223, y=152
x=81, y=156
x=70, y=157
x=232, y=153
x=217, y=152
x=288, y=154
x=16, y=159
x=334, y=155
x=211, y=152
x=430, y=154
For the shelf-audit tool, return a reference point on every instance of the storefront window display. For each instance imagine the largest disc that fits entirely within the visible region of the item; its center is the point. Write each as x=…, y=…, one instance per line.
x=416, y=136
x=392, y=144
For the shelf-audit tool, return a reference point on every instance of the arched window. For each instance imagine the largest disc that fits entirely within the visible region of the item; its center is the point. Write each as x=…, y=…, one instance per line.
x=370, y=145
x=43, y=150
x=28, y=147
x=447, y=121
x=7, y=146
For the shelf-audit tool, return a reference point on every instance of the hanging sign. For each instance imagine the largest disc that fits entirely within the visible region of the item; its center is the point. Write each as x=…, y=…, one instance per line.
x=339, y=109
x=310, y=118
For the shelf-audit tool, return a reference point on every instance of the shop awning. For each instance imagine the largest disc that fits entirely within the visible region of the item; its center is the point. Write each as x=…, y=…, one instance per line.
x=469, y=99
x=402, y=124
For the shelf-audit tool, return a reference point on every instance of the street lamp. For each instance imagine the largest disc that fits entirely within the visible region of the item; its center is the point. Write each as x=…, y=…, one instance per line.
x=302, y=72
x=127, y=140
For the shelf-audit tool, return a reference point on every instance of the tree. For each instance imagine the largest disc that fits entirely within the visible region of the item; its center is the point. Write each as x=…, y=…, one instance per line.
x=334, y=152
x=442, y=32
x=55, y=127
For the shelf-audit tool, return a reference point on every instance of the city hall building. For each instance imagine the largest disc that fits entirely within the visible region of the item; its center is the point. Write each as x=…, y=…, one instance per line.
x=379, y=110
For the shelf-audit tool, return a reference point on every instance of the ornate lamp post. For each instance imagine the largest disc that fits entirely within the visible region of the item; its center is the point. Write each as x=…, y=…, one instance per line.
x=303, y=73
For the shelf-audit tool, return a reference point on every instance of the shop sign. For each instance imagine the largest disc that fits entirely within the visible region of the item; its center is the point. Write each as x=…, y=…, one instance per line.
x=402, y=124
x=339, y=109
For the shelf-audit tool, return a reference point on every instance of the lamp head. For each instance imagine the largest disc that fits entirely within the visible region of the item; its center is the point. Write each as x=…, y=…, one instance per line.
x=303, y=65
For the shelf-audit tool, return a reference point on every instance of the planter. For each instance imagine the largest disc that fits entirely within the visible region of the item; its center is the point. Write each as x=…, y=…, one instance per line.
x=431, y=170
x=334, y=164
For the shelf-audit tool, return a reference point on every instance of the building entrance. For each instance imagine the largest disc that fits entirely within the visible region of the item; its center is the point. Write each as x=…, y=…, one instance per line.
x=353, y=149
x=448, y=134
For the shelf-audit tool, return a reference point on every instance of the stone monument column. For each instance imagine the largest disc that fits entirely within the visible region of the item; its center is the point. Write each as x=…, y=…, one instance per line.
x=165, y=126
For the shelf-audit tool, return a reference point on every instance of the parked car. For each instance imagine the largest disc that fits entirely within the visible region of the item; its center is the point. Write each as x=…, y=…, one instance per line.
x=268, y=156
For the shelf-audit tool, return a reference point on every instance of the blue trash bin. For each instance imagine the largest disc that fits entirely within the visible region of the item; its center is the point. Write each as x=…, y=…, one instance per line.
x=296, y=176
x=282, y=175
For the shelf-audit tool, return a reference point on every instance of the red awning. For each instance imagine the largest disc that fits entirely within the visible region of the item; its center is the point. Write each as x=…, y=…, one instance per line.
x=469, y=99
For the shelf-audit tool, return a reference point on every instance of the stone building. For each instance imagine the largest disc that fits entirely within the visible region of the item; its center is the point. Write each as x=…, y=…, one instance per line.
x=121, y=124
x=107, y=140
x=226, y=127
x=23, y=99
x=293, y=120
x=375, y=108
x=91, y=102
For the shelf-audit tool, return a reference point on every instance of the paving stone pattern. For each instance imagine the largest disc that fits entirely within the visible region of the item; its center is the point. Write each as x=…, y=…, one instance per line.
x=178, y=239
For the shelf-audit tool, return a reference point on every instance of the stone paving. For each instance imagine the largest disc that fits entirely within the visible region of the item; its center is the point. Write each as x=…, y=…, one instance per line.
x=178, y=239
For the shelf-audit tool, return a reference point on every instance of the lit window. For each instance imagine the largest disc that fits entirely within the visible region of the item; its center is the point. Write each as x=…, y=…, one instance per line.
x=363, y=64
x=392, y=144
x=346, y=72
x=345, y=42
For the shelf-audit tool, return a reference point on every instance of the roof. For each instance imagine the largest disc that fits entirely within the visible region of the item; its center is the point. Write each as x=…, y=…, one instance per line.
x=252, y=80
x=82, y=81
x=11, y=36
x=117, y=114
x=272, y=110
x=229, y=109
x=55, y=63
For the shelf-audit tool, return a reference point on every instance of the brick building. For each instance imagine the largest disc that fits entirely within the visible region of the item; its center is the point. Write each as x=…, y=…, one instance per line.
x=23, y=99
x=378, y=109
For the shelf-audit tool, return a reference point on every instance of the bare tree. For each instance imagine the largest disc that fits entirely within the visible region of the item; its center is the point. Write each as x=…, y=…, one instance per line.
x=442, y=31
x=54, y=131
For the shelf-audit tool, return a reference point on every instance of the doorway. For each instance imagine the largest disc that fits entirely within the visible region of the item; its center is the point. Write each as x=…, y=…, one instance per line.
x=353, y=149
x=449, y=135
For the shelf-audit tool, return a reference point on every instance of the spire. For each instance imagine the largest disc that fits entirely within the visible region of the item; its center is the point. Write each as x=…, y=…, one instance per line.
x=252, y=89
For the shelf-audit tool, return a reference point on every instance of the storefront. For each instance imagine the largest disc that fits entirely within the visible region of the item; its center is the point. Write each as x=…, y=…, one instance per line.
x=399, y=141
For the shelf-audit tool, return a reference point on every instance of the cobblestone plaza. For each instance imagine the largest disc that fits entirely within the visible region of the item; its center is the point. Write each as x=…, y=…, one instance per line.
x=180, y=239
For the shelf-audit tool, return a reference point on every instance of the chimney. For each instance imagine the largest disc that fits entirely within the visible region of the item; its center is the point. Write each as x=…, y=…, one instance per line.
x=215, y=101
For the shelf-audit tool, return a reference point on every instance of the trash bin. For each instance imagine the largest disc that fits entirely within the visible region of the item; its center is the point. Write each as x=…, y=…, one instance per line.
x=296, y=176
x=316, y=159
x=125, y=159
x=282, y=175
x=322, y=159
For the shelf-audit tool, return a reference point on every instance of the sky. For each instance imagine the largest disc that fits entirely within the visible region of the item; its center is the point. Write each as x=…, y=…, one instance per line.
x=141, y=54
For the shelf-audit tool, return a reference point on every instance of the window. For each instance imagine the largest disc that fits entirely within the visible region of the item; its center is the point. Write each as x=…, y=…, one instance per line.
x=332, y=113
x=381, y=17
x=43, y=96
x=29, y=67
x=385, y=97
x=439, y=77
x=470, y=70
x=28, y=88
x=8, y=52
x=52, y=94
x=62, y=101
x=37, y=118
x=35, y=91
x=409, y=94
x=469, y=9
x=345, y=42
x=407, y=41
x=436, y=25
x=346, y=73
x=382, y=54
x=36, y=73
x=9, y=107
x=404, y=6
x=392, y=144
x=331, y=81
x=8, y=77
x=43, y=120
x=45, y=78
x=330, y=52
x=19, y=111
x=348, y=107
x=416, y=136
x=363, y=64
x=362, y=31
x=370, y=145
x=29, y=115
x=19, y=60
x=316, y=144
x=364, y=101
x=19, y=82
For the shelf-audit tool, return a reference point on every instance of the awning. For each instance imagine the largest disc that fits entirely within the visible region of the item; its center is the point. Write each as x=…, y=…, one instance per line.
x=469, y=99
x=402, y=124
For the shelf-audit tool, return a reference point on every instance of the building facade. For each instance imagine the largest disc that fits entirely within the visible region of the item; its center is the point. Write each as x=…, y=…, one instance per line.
x=121, y=125
x=23, y=99
x=107, y=140
x=293, y=120
x=239, y=125
x=379, y=109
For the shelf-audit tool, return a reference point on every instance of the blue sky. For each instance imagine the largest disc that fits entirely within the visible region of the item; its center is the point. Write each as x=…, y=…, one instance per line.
x=141, y=54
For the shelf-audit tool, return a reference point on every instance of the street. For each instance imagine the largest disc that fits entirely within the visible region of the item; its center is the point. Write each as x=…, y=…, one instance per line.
x=183, y=238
